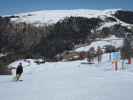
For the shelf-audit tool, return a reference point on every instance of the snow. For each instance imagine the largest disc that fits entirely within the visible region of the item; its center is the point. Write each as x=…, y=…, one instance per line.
x=48, y=17
x=107, y=24
x=53, y=16
x=25, y=62
x=112, y=40
x=70, y=81
x=2, y=55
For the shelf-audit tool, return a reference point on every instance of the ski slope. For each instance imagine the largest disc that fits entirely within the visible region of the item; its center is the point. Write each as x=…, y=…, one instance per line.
x=75, y=80
x=112, y=40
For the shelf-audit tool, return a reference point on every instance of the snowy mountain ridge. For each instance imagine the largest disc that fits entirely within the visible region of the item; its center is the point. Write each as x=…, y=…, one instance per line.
x=53, y=16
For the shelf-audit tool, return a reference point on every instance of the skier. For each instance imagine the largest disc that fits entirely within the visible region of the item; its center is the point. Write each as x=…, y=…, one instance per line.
x=88, y=57
x=99, y=54
x=91, y=54
x=19, y=71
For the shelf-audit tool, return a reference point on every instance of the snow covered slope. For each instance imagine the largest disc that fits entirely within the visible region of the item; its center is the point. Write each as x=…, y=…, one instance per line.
x=53, y=16
x=112, y=40
x=70, y=81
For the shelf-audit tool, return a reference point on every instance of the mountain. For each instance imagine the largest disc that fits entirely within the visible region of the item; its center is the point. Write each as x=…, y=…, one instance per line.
x=51, y=32
x=110, y=17
x=52, y=16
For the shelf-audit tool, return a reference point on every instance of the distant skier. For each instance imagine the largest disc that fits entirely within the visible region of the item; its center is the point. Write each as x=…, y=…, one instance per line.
x=91, y=54
x=88, y=57
x=99, y=54
x=19, y=71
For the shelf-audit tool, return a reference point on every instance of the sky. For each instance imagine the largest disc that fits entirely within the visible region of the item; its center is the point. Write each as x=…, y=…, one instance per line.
x=10, y=7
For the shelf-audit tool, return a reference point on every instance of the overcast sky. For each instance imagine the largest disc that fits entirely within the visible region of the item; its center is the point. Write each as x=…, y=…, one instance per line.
x=18, y=6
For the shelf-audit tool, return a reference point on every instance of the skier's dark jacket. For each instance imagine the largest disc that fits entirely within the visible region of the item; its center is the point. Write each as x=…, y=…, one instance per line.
x=19, y=69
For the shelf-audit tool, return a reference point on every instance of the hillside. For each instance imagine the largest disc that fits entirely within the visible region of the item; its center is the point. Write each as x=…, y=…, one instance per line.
x=51, y=32
x=53, y=16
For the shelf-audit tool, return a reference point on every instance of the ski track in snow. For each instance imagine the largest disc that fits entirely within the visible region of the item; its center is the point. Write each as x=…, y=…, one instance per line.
x=69, y=81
